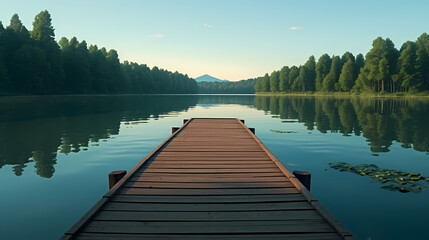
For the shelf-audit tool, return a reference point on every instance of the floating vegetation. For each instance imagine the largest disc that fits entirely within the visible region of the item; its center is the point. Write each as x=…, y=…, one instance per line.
x=290, y=121
x=398, y=181
x=279, y=131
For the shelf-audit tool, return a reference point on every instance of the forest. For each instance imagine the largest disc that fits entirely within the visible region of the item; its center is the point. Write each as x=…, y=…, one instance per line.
x=241, y=87
x=32, y=62
x=384, y=69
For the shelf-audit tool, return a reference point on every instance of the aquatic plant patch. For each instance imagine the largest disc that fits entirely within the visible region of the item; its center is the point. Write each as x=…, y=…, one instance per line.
x=280, y=131
x=397, y=180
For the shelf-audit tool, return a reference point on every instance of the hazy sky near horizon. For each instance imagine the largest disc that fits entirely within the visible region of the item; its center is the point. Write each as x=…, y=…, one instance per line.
x=228, y=39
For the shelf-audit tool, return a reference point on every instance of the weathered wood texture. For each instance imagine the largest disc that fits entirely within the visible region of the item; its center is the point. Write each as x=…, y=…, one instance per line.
x=212, y=179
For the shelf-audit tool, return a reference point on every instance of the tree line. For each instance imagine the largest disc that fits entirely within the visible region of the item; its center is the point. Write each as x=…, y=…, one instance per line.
x=243, y=86
x=32, y=62
x=384, y=69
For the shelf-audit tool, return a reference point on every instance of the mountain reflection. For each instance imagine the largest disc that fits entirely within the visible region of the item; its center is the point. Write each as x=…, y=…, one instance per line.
x=35, y=129
x=381, y=121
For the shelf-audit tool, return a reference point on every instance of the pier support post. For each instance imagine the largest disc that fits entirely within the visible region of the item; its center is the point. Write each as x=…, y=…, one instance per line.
x=252, y=130
x=185, y=121
x=304, y=177
x=115, y=177
x=174, y=129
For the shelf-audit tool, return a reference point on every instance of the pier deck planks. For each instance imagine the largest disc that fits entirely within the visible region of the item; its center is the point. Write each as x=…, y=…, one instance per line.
x=213, y=179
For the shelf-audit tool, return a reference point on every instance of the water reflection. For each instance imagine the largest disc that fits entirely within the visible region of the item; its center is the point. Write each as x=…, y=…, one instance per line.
x=380, y=121
x=36, y=129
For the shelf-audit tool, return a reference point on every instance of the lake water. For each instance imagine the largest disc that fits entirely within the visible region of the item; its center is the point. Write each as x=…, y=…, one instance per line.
x=56, y=152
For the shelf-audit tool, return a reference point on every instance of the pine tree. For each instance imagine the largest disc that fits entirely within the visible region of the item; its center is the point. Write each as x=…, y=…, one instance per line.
x=307, y=75
x=347, y=77
x=284, y=79
x=42, y=27
x=323, y=67
x=330, y=82
x=274, y=81
x=293, y=76
x=406, y=79
x=422, y=62
x=15, y=23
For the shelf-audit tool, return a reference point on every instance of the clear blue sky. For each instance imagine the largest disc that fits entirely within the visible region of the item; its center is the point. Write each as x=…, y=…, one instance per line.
x=232, y=39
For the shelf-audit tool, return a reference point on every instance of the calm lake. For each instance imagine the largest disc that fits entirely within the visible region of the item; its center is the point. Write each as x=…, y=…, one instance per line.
x=56, y=152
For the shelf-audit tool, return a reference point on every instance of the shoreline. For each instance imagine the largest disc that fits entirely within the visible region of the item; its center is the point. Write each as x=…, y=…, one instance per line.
x=343, y=94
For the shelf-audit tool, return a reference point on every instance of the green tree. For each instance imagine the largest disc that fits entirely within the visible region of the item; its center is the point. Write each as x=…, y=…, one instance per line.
x=406, y=79
x=43, y=32
x=381, y=81
x=265, y=83
x=15, y=23
x=42, y=27
x=323, y=67
x=307, y=75
x=3, y=70
x=347, y=77
x=284, y=79
x=293, y=77
x=422, y=61
x=330, y=82
x=359, y=63
x=346, y=57
x=274, y=81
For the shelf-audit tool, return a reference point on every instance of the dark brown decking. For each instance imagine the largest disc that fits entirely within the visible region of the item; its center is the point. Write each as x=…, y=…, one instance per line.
x=212, y=179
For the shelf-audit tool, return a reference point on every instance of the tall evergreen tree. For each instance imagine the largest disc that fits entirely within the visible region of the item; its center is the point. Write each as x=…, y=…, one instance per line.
x=43, y=31
x=265, y=83
x=347, y=77
x=15, y=23
x=323, y=67
x=422, y=61
x=307, y=75
x=293, y=76
x=284, y=79
x=380, y=81
x=346, y=57
x=330, y=82
x=274, y=81
x=42, y=27
x=360, y=61
x=407, y=78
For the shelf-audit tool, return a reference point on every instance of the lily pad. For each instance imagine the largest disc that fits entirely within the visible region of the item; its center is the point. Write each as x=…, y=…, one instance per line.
x=399, y=181
x=279, y=131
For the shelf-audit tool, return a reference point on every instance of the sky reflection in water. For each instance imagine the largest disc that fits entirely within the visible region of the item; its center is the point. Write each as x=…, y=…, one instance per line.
x=55, y=153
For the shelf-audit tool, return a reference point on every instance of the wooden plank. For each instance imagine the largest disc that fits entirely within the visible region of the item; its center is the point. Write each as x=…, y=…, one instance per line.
x=209, y=199
x=254, y=236
x=197, y=165
x=296, y=226
x=211, y=154
x=220, y=149
x=190, y=192
x=211, y=162
x=224, y=185
x=207, y=216
x=198, y=207
x=210, y=170
x=216, y=175
x=162, y=178
x=212, y=158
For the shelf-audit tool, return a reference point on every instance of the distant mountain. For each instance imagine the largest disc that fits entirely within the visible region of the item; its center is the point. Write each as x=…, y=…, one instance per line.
x=208, y=78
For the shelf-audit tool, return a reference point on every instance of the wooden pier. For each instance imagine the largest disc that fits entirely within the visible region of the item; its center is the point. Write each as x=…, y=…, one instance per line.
x=211, y=179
